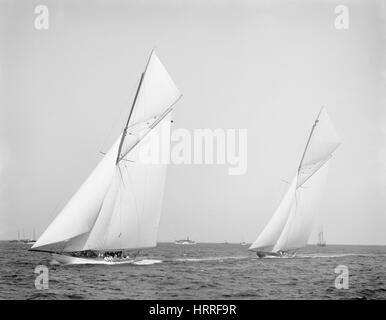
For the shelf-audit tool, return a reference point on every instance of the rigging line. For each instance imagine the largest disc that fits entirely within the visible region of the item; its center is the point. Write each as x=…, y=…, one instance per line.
x=153, y=125
x=315, y=171
x=95, y=220
x=165, y=113
x=120, y=217
x=104, y=239
x=128, y=119
x=309, y=138
x=128, y=160
x=137, y=212
x=132, y=107
x=290, y=219
x=131, y=190
x=115, y=121
x=99, y=212
x=143, y=201
x=120, y=173
x=118, y=193
x=287, y=182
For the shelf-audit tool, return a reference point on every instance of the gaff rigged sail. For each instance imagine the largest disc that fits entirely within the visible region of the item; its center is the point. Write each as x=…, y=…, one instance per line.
x=119, y=205
x=291, y=224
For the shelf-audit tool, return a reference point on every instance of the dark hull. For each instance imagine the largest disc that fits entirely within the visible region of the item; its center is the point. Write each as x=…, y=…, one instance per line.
x=279, y=254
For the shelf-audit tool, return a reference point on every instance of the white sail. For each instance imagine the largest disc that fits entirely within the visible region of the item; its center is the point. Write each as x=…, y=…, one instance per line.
x=85, y=205
x=119, y=205
x=158, y=92
x=291, y=225
x=271, y=233
x=130, y=214
x=80, y=213
x=322, y=143
x=133, y=142
x=305, y=206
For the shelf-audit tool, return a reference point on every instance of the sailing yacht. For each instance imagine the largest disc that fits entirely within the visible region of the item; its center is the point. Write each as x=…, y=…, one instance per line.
x=117, y=209
x=33, y=239
x=291, y=224
x=185, y=241
x=321, y=242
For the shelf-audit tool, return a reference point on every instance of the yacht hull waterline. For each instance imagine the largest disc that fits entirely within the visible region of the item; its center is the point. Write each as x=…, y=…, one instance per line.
x=67, y=259
x=280, y=254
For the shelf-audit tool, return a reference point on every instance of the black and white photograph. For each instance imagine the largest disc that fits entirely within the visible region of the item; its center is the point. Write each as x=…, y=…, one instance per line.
x=167, y=150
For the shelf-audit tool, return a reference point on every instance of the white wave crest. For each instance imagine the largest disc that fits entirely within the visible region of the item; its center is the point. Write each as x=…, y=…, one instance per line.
x=146, y=262
x=211, y=258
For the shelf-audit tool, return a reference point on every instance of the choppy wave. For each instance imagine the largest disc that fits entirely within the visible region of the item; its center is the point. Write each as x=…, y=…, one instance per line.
x=320, y=256
x=338, y=255
x=211, y=258
x=146, y=262
x=206, y=271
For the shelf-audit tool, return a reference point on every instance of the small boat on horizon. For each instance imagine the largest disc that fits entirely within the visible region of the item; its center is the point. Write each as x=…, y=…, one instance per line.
x=24, y=240
x=321, y=241
x=185, y=241
x=290, y=226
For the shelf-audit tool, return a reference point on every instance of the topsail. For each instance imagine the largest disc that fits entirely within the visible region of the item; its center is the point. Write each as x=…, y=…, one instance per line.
x=119, y=205
x=291, y=224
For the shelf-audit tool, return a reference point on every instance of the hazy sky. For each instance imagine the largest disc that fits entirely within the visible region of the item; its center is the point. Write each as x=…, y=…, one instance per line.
x=65, y=94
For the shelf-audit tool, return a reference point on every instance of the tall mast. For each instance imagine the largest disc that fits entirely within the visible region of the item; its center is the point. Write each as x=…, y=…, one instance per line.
x=153, y=125
x=124, y=133
x=309, y=139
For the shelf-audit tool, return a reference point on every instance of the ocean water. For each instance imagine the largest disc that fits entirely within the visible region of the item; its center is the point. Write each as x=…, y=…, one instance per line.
x=201, y=271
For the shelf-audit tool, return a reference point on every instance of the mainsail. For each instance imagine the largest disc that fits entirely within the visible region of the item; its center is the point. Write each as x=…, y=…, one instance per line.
x=291, y=224
x=271, y=233
x=119, y=205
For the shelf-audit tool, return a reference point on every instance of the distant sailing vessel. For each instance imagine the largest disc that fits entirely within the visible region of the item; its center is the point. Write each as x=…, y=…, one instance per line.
x=321, y=242
x=32, y=240
x=18, y=237
x=185, y=241
x=291, y=224
x=24, y=239
x=118, y=207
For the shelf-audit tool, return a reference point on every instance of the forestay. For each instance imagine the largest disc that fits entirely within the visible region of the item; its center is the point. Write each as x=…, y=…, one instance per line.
x=291, y=224
x=119, y=205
